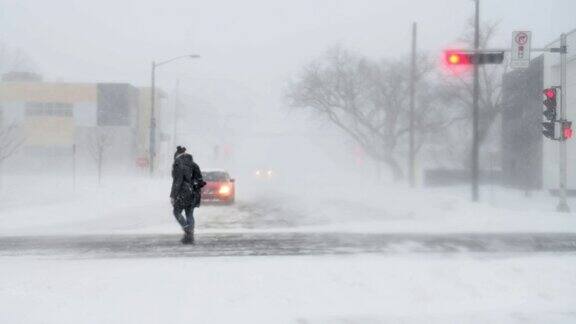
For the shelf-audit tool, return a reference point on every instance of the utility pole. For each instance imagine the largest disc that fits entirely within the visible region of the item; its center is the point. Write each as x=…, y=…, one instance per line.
x=412, y=153
x=152, y=150
x=475, y=108
x=152, y=143
x=563, y=204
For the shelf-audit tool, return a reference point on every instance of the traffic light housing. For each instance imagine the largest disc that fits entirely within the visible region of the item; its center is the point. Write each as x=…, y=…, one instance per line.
x=549, y=130
x=466, y=58
x=550, y=103
x=490, y=58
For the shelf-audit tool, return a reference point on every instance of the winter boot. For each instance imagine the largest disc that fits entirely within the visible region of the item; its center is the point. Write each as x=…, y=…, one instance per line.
x=191, y=236
x=185, y=239
x=188, y=236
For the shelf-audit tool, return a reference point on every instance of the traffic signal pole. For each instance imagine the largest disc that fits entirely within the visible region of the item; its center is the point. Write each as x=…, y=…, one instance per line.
x=475, y=108
x=476, y=57
x=562, y=203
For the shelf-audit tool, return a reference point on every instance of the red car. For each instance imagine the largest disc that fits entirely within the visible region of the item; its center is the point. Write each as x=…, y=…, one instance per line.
x=219, y=188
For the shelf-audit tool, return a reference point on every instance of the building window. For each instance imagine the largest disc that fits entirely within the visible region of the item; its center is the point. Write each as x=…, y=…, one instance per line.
x=53, y=109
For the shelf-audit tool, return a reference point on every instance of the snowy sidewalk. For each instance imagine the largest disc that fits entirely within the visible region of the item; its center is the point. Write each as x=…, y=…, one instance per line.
x=354, y=289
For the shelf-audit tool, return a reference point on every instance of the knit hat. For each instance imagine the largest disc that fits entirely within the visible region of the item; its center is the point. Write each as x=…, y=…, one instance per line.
x=179, y=150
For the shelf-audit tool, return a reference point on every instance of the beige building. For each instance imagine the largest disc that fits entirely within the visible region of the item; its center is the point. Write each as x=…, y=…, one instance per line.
x=56, y=119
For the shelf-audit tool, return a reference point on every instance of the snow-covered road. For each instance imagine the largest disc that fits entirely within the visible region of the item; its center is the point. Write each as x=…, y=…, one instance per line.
x=271, y=244
x=112, y=254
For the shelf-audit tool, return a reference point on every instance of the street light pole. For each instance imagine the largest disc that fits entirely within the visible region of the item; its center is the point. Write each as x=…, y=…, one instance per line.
x=152, y=142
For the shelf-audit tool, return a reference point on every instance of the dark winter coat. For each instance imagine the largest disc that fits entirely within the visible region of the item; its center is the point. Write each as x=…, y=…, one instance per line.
x=186, y=181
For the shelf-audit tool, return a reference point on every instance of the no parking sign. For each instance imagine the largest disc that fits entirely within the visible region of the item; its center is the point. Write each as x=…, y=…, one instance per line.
x=520, y=49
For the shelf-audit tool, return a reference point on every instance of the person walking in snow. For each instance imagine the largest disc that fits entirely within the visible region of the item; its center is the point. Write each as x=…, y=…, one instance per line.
x=185, y=193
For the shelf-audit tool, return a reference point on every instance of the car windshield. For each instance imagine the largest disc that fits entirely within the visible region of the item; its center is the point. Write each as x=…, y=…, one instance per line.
x=215, y=176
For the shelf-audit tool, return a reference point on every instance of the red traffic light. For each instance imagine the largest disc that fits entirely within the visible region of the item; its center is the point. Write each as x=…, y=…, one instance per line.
x=550, y=103
x=454, y=59
x=567, y=130
x=550, y=93
x=458, y=58
x=567, y=133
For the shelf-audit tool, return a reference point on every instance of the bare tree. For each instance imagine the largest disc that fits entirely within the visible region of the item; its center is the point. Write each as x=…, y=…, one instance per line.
x=367, y=100
x=11, y=135
x=11, y=138
x=99, y=142
x=10, y=141
x=14, y=60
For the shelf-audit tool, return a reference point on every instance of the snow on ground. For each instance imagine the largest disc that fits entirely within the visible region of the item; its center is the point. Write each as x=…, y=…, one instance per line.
x=49, y=205
x=400, y=288
x=352, y=289
x=389, y=208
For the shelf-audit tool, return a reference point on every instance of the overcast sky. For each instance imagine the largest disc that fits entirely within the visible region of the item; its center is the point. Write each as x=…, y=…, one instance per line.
x=249, y=46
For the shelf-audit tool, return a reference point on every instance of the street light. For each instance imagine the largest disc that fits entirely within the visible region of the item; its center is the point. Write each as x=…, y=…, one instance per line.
x=152, y=147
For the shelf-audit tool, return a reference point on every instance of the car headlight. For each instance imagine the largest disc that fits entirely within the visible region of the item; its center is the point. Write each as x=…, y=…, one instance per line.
x=269, y=173
x=224, y=190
